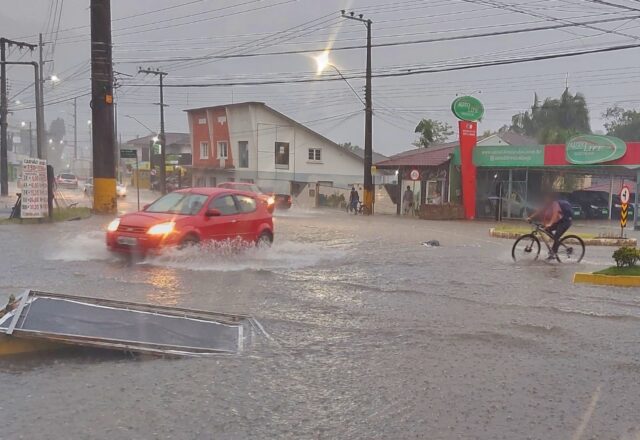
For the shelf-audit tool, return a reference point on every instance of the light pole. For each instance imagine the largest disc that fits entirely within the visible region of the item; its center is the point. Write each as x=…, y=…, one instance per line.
x=369, y=190
x=24, y=124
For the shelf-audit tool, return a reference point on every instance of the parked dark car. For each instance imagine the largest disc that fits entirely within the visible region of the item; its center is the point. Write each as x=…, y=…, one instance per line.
x=578, y=213
x=595, y=204
x=616, y=206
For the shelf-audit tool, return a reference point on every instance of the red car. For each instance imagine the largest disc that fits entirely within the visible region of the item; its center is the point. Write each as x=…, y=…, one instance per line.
x=280, y=201
x=189, y=216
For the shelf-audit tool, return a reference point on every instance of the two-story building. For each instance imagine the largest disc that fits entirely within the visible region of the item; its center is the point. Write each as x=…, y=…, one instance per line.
x=251, y=142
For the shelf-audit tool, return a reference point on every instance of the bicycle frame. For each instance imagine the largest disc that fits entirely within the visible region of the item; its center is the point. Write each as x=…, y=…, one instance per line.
x=545, y=235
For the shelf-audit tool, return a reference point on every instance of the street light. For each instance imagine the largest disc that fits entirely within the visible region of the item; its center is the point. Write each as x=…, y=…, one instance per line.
x=54, y=79
x=23, y=124
x=322, y=62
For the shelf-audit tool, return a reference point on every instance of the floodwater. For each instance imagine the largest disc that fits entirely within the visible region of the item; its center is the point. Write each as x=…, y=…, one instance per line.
x=371, y=335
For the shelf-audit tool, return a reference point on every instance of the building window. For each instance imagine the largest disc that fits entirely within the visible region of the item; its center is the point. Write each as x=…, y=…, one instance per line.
x=204, y=150
x=202, y=121
x=145, y=154
x=282, y=155
x=243, y=153
x=315, y=154
x=222, y=150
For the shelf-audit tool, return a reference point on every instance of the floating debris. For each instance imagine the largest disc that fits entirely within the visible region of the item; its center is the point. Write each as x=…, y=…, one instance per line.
x=431, y=243
x=39, y=320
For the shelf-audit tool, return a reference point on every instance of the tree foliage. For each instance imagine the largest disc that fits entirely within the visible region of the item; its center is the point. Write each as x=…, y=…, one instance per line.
x=555, y=120
x=349, y=146
x=621, y=123
x=432, y=132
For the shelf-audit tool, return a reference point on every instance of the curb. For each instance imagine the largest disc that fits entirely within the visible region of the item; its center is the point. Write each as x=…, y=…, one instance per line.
x=607, y=280
x=632, y=242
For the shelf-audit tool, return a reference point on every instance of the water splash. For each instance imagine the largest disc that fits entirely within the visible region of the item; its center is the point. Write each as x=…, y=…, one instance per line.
x=236, y=256
x=81, y=247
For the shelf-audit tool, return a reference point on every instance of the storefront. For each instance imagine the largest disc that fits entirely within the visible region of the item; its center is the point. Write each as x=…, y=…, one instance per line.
x=510, y=179
x=427, y=172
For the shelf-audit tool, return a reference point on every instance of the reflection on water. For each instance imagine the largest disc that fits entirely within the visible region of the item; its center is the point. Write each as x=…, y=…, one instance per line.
x=168, y=287
x=237, y=256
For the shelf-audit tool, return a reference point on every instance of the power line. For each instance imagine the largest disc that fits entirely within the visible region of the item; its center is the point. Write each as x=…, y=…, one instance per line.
x=389, y=44
x=411, y=72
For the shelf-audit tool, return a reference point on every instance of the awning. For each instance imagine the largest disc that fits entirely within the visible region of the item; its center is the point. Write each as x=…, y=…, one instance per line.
x=421, y=157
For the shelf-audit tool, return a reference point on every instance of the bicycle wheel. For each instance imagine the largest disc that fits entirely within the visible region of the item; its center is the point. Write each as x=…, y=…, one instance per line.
x=571, y=249
x=526, y=248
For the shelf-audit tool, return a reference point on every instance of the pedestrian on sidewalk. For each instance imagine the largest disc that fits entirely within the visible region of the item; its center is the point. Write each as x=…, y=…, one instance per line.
x=407, y=200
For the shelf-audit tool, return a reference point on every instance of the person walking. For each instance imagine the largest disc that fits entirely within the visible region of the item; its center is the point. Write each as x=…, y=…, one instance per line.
x=407, y=200
x=354, y=199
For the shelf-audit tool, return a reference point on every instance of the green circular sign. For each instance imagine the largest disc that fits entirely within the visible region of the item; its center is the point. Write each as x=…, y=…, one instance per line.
x=467, y=108
x=590, y=148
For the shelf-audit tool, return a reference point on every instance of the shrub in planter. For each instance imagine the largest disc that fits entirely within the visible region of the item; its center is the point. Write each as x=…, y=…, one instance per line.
x=626, y=256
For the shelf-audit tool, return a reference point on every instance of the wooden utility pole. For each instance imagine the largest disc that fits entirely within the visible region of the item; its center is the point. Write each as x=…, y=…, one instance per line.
x=369, y=189
x=104, y=181
x=4, y=110
x=162, y=175
x=42, y=145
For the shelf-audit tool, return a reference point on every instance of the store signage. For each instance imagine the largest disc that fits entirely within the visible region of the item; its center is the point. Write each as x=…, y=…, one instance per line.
x=467, y=108
x=509, y=156
x=415, y=174
x=590, y=149
x=35, y=192
x=128, y=154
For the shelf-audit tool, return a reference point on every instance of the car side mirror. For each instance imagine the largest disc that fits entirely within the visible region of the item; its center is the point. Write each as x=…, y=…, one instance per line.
x=212, y=213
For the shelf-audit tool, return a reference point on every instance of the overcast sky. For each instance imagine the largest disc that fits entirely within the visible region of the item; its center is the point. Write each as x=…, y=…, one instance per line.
x=154, y=33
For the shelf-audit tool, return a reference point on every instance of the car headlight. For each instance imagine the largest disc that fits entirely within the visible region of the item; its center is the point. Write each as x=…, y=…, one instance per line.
x=593, y=206
x=271, y=200
x=161, y=228
x=113, y=226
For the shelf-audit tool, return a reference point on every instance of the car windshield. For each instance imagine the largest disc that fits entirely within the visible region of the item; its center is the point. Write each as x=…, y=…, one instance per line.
x=67, y=176
x=178, y=203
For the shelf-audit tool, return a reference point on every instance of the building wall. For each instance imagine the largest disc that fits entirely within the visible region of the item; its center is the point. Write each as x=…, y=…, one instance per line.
x=261, y=129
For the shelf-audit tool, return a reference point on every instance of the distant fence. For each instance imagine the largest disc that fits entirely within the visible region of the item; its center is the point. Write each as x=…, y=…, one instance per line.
x=324, y=195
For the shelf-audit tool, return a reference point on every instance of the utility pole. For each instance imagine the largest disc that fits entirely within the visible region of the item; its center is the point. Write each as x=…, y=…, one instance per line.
x=30, y=141
x=104, y=189
x=75, y=130
x=369, y=189
x=42, y=147
x=163, y=169
x=4, y=161
x=4, y=110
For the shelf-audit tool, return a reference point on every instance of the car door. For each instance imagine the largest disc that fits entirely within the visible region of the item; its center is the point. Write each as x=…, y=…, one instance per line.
x=224, y=226
x=247, y=221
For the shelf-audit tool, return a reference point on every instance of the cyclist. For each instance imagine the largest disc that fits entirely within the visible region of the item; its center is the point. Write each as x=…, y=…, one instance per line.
x=556, y=215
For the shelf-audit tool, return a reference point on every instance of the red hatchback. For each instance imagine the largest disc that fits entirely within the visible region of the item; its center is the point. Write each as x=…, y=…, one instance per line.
x=190, y=216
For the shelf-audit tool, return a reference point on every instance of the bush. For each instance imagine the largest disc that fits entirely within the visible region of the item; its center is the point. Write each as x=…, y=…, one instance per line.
x=626, y=256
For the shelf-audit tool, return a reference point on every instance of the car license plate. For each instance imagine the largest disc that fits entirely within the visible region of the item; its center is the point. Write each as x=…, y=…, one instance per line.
x=127, y=241
x=576, y=212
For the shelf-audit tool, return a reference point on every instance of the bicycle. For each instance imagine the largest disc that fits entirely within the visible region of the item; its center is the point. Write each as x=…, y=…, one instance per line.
x=527, y=246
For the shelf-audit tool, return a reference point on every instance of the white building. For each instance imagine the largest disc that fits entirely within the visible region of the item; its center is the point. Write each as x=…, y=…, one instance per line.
x=251, y=142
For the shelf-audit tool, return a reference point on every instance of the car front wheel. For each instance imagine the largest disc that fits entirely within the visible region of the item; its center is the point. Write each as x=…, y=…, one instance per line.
x=265, y=239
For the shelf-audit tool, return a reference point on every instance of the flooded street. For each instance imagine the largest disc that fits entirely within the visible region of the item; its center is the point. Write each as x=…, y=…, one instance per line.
x=371, y=335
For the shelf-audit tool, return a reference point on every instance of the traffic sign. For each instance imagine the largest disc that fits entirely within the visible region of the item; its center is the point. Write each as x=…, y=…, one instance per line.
x=128, y=154
x=623, y=215
x=625, y=195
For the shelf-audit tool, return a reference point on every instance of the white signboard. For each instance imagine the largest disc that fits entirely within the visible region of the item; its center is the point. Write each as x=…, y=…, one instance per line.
x=34, y=189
